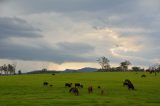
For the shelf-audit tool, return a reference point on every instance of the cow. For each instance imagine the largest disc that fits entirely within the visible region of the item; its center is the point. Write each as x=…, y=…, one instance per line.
x=143, y=76
x=77, y=84
x=74, y=90
x=102, y=92
x=68, y=85
x=45, y=83
x=99, y=87
x=81, y=86
x=125, y=83
x=51, y=85
x=90, y=89
x=129, y=84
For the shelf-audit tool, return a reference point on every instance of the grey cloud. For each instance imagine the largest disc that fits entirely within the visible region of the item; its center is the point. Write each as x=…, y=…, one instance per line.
x=2, y=1
x=101, y=13
x=16, y=27
x=78, y=48
x=64, y=53
x=74, y=5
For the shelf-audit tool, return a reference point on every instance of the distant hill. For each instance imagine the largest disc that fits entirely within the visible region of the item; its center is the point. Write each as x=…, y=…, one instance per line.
x=43, y=72
x=86, y=69
x=69, y=70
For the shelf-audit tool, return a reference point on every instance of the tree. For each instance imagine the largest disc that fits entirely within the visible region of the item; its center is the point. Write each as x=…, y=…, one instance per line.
x=104, y=63
x=19, y=72
x=5, y=69
x=136, y=69
x=1, y=69
x=154, y=69
x=44, y=70
x=11, y=68
x=124, y=65
x=158, y=69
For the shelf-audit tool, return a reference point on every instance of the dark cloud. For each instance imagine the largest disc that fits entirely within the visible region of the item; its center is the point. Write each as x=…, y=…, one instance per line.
x=1, y=1
x=64, y=53
x=16, y=27
x=74, y=5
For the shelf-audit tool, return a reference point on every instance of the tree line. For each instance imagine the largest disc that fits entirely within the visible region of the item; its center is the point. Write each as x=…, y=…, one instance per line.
x=8, y=69
x=123, y=67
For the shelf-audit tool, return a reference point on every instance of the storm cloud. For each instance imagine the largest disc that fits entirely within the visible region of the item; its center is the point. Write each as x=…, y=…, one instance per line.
x=16, y=27
x=63, y=53
x=61, y=31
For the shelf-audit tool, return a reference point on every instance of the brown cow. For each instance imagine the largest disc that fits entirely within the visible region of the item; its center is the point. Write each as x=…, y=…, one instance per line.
x=90, y=89
x=102, y=92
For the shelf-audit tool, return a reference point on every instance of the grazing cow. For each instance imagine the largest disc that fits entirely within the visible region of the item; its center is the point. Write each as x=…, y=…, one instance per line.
x=143, y=75
x=53, y=74
x=90, y=89
x=68, y=85
x=125, y=83
x=99, y=87
x=77, y=84
x=102, y=92
x=129, y=84
x=74, y=90
x=51, y=85
x=81, y=86
x=45, y=83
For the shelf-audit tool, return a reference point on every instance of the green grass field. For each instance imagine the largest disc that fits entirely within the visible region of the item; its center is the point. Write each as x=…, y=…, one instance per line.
x=28, y=90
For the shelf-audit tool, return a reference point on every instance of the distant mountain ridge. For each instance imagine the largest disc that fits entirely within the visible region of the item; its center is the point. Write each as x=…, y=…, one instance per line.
x=43, y=72
x=86, y=69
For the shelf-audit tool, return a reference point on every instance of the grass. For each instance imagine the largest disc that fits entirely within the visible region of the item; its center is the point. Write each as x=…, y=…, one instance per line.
x=28, y=90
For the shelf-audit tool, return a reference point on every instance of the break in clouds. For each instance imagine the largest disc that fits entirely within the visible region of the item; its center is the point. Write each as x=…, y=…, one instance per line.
x=60, y=31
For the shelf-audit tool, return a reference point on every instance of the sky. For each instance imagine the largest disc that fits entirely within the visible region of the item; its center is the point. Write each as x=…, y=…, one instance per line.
x=71, y=34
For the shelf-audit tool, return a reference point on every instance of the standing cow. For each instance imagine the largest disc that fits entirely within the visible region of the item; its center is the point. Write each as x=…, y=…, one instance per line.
x=45, y=83
x=74, y=90
x=90, y=89
x=68, y=85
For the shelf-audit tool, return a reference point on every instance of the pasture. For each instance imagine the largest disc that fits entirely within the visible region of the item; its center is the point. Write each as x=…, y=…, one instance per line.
x=28, y=90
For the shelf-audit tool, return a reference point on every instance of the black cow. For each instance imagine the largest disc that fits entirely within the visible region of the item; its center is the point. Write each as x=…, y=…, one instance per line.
x=77, y=84
x=143, y=75
x=68, y=85
x=125, y=83
x=81, y=86
x=129, y=84
x=99, y=87
x=45, y=83
x=74, y=90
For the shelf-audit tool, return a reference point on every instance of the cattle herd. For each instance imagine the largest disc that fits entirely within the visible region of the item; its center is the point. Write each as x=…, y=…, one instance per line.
x=74, y=88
